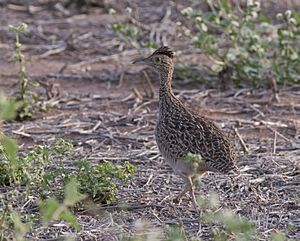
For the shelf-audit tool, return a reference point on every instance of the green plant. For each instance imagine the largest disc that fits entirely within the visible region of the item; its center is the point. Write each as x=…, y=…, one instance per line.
x=247, y=43
x=19, y=57
x=231, y=225
x=7, y=108
x=20, y=228
x=14, y=226
x=129, y=32
x=100, y=181
x=175, y=233
x=35, y=170
x=27, y=100
x=52, y=210
x=10, y=166
x=286, y=61
x=278, y=236
x=32, y=177
x=32, y=168
x=8, y=148
x=224, y=224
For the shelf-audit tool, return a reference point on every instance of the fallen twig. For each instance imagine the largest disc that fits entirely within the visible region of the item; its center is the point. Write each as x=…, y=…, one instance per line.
x=245, y=148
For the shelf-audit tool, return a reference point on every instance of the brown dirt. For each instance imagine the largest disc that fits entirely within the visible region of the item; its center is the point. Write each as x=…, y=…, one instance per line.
x=267, y=191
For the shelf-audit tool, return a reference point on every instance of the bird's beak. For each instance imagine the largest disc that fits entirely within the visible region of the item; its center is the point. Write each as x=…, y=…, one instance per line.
x=140, y=60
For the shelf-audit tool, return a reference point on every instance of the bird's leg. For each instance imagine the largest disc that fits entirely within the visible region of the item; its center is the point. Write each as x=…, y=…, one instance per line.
x=192, y=193
x=188, y=187
x=184, y=191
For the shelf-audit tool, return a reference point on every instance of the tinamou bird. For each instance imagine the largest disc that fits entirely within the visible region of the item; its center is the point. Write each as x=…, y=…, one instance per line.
x=189, y=142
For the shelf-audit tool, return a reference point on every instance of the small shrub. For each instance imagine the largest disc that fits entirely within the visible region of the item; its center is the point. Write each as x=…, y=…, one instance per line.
x=35, y=170
x=129, y=33
x=32, y=168
x=248, y=44
x=100, y=181
x=26, y=99
x=32, y=176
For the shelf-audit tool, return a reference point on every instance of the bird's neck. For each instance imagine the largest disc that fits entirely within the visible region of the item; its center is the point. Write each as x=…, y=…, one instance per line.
x=167, y=99
x=165, y=87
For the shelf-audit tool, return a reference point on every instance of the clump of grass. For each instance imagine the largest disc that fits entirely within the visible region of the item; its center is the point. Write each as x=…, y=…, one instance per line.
x=248, y=43
x=175, y=233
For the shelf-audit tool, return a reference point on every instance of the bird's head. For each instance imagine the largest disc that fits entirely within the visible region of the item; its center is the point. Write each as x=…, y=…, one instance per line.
x=160, y=60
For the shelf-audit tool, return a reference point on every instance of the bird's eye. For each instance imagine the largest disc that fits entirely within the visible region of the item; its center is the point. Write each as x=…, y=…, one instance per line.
x=156, y=60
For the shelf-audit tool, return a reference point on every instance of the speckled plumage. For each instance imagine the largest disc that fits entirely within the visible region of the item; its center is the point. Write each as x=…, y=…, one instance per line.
x=183, y=135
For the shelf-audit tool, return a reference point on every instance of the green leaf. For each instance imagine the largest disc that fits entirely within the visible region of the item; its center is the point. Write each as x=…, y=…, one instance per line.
x=20, y=228
x=225, y=6
x=10, y=147
x=70, y=218
x=48, y=209
x=278, y=236
x=175, y=233
x=117, y=26
x=7, y=108
x=194, y=160
x=236, y=224
x=72, y=195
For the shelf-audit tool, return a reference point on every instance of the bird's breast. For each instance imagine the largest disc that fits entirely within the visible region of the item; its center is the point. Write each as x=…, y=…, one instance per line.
x=168, y=142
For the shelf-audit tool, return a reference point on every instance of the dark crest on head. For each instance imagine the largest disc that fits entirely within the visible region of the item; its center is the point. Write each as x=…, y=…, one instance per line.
x=165, y=51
